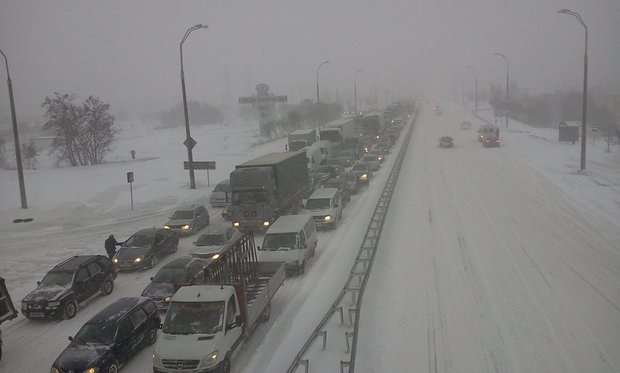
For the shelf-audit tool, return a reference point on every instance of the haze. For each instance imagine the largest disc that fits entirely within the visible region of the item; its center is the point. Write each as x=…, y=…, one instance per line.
x=127, y=52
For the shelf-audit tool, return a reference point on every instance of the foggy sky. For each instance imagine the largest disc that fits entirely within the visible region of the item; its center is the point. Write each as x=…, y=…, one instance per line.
x=127, y=51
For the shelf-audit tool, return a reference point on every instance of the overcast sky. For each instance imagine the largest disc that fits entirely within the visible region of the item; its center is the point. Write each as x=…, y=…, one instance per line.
x=127, y=51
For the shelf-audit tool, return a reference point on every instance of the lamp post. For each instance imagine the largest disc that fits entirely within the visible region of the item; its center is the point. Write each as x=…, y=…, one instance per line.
x=507, y=83
x=18, y=155
x=584, y=110
x=355, y=89
x=189, y=142
x=318, y=102
x=475, y=86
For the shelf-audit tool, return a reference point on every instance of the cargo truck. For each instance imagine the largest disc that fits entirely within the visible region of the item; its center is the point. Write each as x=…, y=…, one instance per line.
x=7, y=310
x=301, y=138
x=267, y=187
x=207, y=324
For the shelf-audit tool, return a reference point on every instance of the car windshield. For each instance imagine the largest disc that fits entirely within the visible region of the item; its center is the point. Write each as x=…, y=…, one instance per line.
x=211, y=239
x=140, y=240
x=95, y=334
x=332, y=185
x=275, y=241
x=194, y=318
x=57, y=279
x=318, y=203
x=171, y=275
x=182, y=215
x=349, y=177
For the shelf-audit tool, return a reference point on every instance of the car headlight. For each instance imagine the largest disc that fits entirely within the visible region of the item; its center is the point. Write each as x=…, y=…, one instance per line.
x=53, y=304
x=185, y=227
x=91, y=370
x=209, y=360
x=115, y=260
x=236, y=224
x=328, y=218
x=167, y=299
x=166, y=226
x=24, y=306
x=137, y=260
x=266, y=223
x=215, y=256
x=364, y=177
x=54, y=370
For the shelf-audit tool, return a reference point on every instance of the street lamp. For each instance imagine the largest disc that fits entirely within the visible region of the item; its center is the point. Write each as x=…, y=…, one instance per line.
x=18, y=155
x=507, y=83
x=189, y=142
x=355, y=89
x=584, y=110
x=476, y=86
x=318, y=102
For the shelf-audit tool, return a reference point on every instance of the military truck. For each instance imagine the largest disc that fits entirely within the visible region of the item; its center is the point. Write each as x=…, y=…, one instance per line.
x=267, y=187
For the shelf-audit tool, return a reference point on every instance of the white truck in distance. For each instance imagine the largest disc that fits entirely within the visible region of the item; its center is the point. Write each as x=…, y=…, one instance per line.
x=205, y=324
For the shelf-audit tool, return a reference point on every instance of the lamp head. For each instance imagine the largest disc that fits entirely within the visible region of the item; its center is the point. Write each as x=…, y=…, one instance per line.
x=563, y=11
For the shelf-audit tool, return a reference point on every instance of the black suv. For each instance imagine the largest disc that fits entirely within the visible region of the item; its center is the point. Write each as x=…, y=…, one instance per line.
x=111, y=337
x=73, y=281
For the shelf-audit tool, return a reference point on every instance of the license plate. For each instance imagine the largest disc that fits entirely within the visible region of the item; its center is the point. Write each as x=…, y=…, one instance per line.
x=37, y=314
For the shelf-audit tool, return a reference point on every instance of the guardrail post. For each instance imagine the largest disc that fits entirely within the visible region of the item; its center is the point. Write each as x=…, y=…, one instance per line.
x=347, y=335
x=305, y=363
x=344, y=364
x=351, y=312
x=341, y=315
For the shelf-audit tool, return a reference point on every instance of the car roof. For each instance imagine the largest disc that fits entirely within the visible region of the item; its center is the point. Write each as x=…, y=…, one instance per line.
x=323, y=193
x=115, y=311
x=72, y=263
x=288, y=224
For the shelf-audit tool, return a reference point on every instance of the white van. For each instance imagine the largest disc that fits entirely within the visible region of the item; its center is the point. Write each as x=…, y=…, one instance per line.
x=291, y=239
x=325, y=206
x=221, y=194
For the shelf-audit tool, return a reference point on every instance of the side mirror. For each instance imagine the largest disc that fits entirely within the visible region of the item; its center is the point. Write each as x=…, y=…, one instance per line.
x=161, y=325
x=71, y=338
x=38, y=283
x=151, y=278
x=194, y=242
x=257, y=247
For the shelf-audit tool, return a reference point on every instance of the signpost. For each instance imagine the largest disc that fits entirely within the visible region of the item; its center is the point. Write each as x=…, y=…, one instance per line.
x=130, y=181
x=594, y=130
x=200, y=165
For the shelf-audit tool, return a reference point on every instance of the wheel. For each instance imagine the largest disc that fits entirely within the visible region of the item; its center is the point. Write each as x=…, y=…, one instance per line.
x=107, y=286
x=113, y=368
x=225, y=365
x=70, y=310
x=153, y=261
x=151, y=336
x=175, y=248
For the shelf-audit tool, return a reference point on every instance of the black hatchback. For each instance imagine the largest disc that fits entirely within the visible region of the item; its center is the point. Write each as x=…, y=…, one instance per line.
x=70, y=282
x=111, y=337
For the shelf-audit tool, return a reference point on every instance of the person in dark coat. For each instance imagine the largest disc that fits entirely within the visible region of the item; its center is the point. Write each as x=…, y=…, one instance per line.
x=110, y=246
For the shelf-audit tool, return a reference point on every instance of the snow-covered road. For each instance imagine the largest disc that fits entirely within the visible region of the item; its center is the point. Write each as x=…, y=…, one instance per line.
x=486, y=266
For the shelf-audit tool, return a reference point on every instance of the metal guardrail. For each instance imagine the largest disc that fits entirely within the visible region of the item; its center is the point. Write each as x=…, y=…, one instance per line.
x=358, y=277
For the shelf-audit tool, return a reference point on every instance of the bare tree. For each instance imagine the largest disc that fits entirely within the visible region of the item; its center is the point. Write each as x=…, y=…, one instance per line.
x=96, y=133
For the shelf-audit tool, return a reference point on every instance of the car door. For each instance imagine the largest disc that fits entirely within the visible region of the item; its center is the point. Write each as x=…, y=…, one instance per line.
x=80, y=284
x=161, y=244
x=96, y=278
x=123, y=340
x=140, y=329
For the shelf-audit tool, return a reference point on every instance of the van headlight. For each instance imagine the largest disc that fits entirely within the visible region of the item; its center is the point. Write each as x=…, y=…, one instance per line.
x=185, y=227
x=209, y=360
x=166, y=226
x=156, y=360
x=137, y=260
x=327, y=218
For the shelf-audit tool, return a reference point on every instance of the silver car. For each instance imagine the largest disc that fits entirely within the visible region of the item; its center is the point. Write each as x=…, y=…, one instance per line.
x=188, y=219
x=214, y=241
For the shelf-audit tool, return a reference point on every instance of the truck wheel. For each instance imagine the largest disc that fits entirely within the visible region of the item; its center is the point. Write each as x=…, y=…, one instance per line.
x=264, y=316
x=107, y=286
x=70, y=310
x=225, y=368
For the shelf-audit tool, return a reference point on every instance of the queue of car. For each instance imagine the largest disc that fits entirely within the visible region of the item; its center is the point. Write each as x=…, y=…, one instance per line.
x=112, y=336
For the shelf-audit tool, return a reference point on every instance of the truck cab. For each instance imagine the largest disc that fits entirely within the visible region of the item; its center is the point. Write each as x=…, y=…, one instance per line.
x=203, y=324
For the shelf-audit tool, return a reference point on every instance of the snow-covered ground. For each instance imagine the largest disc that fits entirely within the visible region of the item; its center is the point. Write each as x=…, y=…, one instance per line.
x=491, y=260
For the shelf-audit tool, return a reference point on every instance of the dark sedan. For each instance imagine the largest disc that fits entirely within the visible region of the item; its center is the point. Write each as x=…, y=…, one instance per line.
x=111, y=337
x=145, y=247
x=179, y=272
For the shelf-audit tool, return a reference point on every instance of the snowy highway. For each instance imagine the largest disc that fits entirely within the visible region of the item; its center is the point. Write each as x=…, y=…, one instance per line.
x=484, y=265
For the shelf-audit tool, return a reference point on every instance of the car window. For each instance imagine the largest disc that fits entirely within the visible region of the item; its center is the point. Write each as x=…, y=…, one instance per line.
x=232, y=310
x=93, y=268
x=159, y=237
x=81, y=275
x=125, y=330
x=137, y=317
x=149, y=307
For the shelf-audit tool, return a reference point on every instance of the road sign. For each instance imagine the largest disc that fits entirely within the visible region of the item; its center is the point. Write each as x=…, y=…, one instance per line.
x=130, y=177
x=200, y=165
x=594, y=128
x=190, y=143
x=259, y=99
